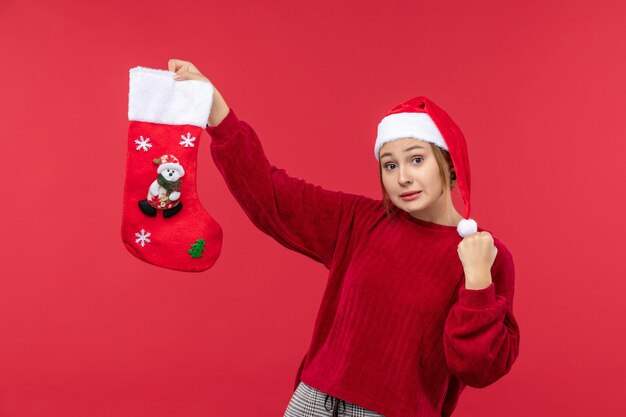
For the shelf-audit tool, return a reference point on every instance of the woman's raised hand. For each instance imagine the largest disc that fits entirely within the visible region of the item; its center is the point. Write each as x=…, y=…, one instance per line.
x=185, y=70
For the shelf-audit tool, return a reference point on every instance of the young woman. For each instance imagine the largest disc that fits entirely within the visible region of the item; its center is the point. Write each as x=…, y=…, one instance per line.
x=419, y=300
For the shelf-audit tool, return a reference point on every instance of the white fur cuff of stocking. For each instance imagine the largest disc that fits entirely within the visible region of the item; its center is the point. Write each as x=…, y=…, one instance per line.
x=154, y=96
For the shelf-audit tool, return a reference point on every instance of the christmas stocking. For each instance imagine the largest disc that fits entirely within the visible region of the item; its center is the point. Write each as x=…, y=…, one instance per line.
x=163, y=223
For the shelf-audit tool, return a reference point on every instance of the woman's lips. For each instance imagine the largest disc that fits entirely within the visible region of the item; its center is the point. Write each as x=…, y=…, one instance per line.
x=411, y=196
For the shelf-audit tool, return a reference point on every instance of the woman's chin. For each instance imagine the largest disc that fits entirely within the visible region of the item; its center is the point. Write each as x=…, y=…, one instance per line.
x=408, y=206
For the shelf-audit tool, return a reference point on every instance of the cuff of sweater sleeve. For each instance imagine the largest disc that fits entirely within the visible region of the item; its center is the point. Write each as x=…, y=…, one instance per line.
x=482, y=298
x=225, y=128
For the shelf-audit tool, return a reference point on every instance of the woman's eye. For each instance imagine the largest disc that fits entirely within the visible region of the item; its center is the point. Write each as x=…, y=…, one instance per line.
x=417, y=157
x=387, y=166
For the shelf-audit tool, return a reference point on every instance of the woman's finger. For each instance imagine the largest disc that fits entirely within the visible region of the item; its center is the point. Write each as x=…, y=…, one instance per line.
x=180, y=75
x=172, y=64
x=187, y=75
x=176, y=64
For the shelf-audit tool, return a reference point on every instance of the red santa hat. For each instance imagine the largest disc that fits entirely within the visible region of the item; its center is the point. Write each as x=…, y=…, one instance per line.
x=422, y=119
x=169, y=162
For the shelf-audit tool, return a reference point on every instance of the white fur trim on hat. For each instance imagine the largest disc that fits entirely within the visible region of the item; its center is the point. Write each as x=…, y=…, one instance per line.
x=467, y=227
x=171, y=165
x=154, y=96
x=408, y=125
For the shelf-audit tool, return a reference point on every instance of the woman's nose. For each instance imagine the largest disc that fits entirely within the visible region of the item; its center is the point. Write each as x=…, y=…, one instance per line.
x=403, y=177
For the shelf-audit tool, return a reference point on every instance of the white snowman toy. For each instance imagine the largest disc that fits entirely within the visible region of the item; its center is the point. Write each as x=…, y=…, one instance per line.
x=164, y=192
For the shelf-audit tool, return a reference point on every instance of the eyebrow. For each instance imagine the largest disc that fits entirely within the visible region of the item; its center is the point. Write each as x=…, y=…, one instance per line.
x=406, y=150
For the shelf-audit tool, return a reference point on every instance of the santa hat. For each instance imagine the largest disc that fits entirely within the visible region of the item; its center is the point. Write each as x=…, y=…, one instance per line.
x=169, y=162
x=422, y=119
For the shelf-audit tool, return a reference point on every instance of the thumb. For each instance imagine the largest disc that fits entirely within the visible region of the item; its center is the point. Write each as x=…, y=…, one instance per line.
x=182, y=75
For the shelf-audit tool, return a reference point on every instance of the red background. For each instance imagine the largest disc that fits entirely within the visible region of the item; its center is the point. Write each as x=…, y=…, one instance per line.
x=86, y=329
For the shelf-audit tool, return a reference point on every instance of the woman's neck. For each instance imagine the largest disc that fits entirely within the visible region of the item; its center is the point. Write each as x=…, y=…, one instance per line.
x=449, y=219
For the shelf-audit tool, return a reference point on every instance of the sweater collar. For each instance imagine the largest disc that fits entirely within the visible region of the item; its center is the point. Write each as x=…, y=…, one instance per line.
x=427, y=224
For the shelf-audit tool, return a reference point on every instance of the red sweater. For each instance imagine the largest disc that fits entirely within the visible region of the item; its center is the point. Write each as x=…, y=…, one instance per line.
x=397, y=331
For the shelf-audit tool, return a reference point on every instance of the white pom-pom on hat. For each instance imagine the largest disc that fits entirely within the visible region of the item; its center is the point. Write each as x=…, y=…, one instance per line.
x=467, y=227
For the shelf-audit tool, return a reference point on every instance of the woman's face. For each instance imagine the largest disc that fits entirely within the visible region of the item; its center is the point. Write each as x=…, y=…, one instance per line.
x=409, y=166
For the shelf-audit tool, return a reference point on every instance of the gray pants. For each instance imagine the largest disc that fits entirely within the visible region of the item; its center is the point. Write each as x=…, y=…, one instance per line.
x=307, y=401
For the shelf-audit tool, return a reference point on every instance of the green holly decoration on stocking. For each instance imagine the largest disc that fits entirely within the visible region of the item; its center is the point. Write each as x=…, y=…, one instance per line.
x=197, y=248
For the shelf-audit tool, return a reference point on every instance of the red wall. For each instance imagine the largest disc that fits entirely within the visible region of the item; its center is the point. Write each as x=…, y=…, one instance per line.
x=86, y=329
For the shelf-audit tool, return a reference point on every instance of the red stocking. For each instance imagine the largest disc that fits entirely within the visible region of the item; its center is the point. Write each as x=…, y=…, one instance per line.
x=163, y=223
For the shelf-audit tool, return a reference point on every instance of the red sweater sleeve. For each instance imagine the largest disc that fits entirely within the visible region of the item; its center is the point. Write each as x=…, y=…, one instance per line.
x=481, y=335
x=301, y=216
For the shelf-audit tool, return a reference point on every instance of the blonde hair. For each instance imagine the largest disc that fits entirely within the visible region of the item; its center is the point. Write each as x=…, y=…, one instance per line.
x=448, y=177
